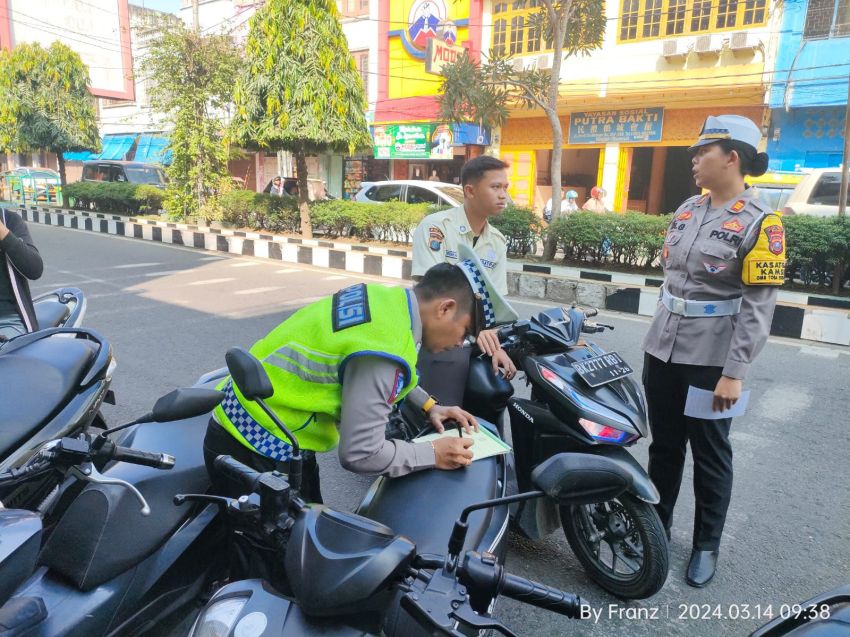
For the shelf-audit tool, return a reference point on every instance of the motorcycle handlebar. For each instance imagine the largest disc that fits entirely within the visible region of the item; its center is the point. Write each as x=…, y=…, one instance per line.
x=237, y=472
x=145, y=458
x=540, y=595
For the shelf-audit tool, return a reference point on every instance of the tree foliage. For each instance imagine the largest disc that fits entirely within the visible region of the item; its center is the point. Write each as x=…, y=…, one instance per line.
x=485, y=92
x=300, y=90
x=192, y=82
x=45, y=103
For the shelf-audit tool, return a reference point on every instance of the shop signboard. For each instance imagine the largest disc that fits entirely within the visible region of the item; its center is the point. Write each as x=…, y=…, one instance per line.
x=441, y=53
x=625, y=125
x=413, y=141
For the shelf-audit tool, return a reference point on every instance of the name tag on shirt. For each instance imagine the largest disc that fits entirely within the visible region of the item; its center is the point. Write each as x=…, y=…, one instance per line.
x=699, y=405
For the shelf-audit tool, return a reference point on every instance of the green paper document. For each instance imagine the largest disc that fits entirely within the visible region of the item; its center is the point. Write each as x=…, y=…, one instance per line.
x=486, y=443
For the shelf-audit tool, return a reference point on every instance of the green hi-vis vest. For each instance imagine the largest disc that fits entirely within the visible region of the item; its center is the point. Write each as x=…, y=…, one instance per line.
x=305, y=358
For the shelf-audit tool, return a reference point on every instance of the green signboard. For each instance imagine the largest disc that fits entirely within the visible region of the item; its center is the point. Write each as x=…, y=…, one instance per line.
x=413, y=141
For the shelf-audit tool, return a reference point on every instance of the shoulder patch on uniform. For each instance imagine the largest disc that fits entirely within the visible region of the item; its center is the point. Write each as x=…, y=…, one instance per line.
x=764, y=264
x=684, y=216
x=398, y=385
x=435, y=238
x=701, y=198
x=350, y=307
x=738, y=206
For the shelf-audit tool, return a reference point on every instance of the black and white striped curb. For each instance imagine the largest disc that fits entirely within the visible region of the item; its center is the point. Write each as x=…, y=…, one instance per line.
x=798, y=315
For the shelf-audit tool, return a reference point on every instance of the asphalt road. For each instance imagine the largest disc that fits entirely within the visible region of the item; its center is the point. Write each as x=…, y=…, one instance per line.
x=171, y=313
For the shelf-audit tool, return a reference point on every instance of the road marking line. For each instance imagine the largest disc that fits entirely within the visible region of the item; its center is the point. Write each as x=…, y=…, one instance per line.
x=213, y=281
x=336, y=277
x=212, y=259
x=258, y=290
x=244, y=264
x=819, y=351
x=165, y=273
x=134, y=265
x=288, y=271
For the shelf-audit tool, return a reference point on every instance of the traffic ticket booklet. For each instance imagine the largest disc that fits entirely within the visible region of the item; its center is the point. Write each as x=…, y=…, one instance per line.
x=486, y=443
x=699, y=402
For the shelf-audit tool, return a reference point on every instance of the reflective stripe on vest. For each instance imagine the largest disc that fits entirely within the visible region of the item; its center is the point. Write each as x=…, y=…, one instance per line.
x=264, y=442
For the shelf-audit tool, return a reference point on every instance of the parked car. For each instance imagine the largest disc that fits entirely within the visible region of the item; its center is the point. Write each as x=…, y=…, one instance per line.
x=816, y=194
x=775, y=187
x=411, y=191
x=128, y=171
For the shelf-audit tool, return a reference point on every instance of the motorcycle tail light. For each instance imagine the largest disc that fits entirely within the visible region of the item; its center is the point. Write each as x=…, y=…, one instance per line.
x=552, y=378
x=604, y=432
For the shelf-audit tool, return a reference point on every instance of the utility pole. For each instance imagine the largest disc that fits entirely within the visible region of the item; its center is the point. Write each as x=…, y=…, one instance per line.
x=845, y=169
x=196, y=22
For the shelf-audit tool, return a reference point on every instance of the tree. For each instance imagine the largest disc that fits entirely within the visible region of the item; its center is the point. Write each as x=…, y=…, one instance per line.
x=45, y=103
x=192, y=81
x=300, y=90
x=485, y=92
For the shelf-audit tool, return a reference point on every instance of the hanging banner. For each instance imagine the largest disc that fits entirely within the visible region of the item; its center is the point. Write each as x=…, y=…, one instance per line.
x=626, y=125
x=413, y=141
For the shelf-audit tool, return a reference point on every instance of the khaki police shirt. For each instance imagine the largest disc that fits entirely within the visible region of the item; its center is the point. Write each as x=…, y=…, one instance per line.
x=702, y=259
x=437, y=237
x=367, y=400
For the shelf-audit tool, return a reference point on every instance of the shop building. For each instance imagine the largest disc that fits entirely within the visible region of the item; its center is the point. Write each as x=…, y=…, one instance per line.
x=416, y=38
x=631, y=108
x=808, y=98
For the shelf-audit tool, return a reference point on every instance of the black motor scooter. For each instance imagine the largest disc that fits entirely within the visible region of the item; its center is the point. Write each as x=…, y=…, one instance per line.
x=583, y=400
x=332, y=573
x=121, y=558
x=52, y=385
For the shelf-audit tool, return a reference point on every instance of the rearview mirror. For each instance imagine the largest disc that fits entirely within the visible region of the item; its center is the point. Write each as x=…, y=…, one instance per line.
x=580, y=478
x=248, y=374
x=185, y=402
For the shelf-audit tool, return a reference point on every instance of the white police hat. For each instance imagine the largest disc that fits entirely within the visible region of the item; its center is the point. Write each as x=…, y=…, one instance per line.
x=732, y=127
x=494, y=308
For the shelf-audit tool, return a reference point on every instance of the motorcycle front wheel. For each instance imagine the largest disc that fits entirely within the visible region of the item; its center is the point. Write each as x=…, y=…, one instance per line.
x=621, y=544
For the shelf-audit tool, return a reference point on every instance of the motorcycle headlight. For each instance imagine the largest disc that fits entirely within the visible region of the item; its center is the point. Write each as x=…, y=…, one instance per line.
x=218, y=619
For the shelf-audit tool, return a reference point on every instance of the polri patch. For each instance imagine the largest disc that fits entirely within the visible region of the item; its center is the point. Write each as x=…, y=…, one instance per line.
x=398, y=385
x=734, y=225
x=775, y=239
x=684, y=216
x=350, y=307
x=738, y=206
x=435, y=238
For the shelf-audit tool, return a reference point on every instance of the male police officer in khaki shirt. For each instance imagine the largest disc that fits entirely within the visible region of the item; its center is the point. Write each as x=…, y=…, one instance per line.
x=436, y=240
x=723, y=258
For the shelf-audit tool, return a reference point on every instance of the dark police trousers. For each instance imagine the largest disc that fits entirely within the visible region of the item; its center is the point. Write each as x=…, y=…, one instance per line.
x=666, y=386
x=219, y=442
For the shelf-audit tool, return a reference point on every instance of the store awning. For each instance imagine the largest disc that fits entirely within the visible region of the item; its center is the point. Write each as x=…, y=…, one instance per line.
x=153, y=149
x=115, y=147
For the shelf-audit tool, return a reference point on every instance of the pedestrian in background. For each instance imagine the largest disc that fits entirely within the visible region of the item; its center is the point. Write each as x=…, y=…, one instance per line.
x=596, y=203
x=723, y=260
x=20, y=263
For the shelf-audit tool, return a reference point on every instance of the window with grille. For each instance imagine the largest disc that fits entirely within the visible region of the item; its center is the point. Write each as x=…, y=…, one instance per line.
x=361, y=61
x=517, y=33
x=827, y=18
x=353, y=8
x=648, y=19
x=500, y=31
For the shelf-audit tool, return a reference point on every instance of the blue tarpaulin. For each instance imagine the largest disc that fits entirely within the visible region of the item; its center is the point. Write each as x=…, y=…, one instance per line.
x=153, y=149
x=82, y=155
x=115, y=147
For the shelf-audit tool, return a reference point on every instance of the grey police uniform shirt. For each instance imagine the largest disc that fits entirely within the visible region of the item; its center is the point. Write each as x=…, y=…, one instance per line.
x=437, y=237
x=367, y=392
x=702, y=260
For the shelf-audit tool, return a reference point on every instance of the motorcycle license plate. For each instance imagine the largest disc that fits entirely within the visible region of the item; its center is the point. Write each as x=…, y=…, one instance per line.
x=601, y=370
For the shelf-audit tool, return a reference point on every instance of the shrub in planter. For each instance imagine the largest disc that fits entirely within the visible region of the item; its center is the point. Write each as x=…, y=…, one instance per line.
x=114, y=197
x=521, y=227
x=814, y=245
x=148, y=199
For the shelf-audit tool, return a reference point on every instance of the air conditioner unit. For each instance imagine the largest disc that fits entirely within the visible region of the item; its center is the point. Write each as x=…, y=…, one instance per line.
x=518, y=65
x=743, y=43
x=670, y=51
x=544, y=62
x=707, y=45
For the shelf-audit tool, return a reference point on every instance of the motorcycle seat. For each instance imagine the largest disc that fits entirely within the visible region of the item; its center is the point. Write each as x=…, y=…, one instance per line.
x=34, y=383
x=423, y=506
x=51, y=313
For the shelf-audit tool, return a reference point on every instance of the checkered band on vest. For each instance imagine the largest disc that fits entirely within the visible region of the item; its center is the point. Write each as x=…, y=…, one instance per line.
x=476, y=279
x=259, y=438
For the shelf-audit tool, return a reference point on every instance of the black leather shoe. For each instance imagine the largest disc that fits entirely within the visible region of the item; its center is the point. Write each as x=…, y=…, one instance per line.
x=701, y=567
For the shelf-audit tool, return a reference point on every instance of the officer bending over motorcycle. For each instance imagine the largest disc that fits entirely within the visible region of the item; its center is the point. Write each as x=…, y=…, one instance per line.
x=339, y=365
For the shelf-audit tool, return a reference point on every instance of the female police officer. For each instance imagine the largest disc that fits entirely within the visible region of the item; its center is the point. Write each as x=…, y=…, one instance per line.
x=723, y=259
